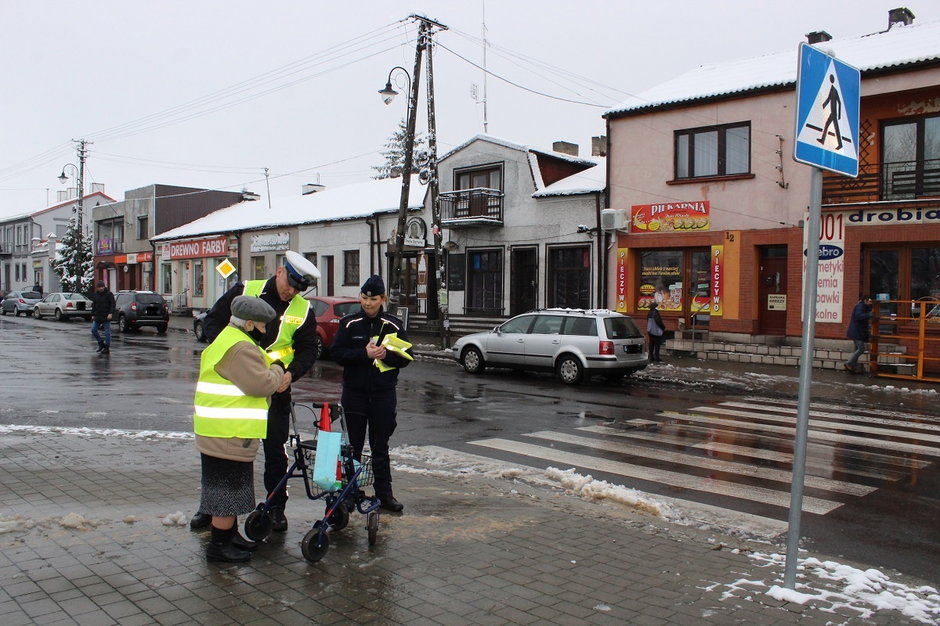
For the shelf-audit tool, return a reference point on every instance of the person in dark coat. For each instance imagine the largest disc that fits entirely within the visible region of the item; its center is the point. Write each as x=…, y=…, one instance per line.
x=102, y=310
x=369, y=396
x=291, y=338
x=859, y=331
x=655, y=329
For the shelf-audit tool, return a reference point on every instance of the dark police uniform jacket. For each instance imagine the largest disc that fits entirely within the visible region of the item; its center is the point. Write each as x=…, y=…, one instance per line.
x=349, y=350
x=305, y=338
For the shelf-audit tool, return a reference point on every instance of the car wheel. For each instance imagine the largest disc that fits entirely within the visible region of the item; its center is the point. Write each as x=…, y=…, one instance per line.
x=570, y=370
x=58, y=314
x=199, y=330
x=472, y=361
x=37, y=314
x=3, y=311
x=16, y=312
x=123, y=326
x=161, y=329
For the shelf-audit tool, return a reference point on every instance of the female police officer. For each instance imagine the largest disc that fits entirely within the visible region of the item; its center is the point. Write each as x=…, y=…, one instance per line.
x=369, y=397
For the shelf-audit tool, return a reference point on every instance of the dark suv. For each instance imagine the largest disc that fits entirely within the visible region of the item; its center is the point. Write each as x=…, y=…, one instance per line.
x=141, y=308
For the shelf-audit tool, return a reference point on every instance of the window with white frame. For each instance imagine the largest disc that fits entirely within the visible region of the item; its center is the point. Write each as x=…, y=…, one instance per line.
x=723, y=150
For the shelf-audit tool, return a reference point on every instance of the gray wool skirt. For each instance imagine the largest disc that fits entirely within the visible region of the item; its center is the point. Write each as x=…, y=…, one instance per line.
x=228, y=487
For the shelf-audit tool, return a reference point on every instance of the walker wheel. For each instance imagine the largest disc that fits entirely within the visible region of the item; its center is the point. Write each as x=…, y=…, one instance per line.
x=315, y=543
x=258, y=525
x=339, y=518
x=372, y=525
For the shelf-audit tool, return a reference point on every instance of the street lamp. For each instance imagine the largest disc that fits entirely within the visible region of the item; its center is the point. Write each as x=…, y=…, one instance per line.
x=388, y=94
x=63, y=178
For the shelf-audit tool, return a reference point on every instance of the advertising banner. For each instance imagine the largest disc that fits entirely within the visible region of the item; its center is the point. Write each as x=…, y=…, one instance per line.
x=670, y=217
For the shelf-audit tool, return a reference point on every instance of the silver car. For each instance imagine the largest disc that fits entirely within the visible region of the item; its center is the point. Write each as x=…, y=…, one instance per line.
x=63, y=306
x=19, y=302
x=573, y=343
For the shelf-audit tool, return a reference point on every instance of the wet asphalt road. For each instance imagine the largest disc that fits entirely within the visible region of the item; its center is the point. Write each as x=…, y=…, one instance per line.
x=53, y=377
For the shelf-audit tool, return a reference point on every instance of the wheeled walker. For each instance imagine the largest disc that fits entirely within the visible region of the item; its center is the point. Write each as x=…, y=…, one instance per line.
x=342, y=496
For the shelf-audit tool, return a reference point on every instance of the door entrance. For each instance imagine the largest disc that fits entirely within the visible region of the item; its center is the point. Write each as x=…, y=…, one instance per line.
x=524, y=284
x=772, y=290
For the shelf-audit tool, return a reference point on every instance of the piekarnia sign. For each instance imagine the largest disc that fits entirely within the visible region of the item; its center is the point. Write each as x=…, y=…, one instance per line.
x=199, y=248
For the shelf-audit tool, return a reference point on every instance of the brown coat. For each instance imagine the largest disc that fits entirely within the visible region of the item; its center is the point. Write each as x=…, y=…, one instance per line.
x=245, y=367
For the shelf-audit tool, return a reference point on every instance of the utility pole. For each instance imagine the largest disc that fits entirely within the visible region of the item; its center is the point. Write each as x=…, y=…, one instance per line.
x=434, y=191
x=267, y=183
x=425, y=31
x=82, y=154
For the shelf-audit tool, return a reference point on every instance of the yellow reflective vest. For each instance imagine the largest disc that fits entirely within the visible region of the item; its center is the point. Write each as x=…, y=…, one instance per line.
x=221, y=408
x=283, y=347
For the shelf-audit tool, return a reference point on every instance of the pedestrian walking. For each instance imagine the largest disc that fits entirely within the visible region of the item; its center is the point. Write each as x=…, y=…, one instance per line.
x=859, y=332
x=102, y=310
x=230, y=413
x=370, y=376
x=655, y=329
x=290, y=338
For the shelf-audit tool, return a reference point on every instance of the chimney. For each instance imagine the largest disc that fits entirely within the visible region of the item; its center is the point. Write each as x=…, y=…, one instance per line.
x=599, y=146
x=310, y=188
x=818, y=36
x=565, y=147
x=901, y=15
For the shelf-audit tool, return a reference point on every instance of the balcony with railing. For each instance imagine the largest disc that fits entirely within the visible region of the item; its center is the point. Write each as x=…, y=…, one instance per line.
x=900, y=181
x=5, y=249
x=480, y=206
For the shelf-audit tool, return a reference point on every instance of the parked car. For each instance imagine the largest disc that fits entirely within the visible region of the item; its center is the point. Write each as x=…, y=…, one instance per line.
x=19, y=302
x=327, y=309
x=141, y=308
x=63, y=306
x=573, y=343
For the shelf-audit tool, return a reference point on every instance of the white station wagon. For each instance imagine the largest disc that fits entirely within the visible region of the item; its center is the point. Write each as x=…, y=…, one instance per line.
x=573, y=343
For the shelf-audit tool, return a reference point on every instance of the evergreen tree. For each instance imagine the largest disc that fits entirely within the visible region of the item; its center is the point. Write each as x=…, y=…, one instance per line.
x=73, y=260
x=394, y=153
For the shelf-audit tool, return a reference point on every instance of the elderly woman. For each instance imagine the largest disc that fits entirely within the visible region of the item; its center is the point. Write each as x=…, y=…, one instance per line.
x=236, y=380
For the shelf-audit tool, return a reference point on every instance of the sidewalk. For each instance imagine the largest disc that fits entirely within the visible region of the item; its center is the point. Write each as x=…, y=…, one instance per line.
x=94, y=531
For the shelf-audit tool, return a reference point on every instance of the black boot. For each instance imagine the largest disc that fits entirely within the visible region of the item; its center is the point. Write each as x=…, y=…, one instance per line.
x=106, y=349
x=220, y=547
x=241, y=543
x=200, y=520
x=278, y=521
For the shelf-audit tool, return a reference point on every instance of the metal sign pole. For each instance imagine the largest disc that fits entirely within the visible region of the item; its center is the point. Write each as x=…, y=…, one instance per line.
x=806, y=382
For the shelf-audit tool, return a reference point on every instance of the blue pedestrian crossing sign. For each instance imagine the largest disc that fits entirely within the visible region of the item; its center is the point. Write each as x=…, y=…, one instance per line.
x=827, y=96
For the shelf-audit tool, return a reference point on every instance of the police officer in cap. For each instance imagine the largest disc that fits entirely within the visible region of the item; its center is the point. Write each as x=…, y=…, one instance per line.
x=369, y=398
x=290, y=338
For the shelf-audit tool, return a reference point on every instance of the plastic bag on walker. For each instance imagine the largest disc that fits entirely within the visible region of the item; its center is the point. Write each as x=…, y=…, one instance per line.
x=324, y=464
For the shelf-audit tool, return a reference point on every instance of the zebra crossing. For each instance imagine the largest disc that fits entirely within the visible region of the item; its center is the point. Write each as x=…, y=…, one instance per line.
x=736, y=456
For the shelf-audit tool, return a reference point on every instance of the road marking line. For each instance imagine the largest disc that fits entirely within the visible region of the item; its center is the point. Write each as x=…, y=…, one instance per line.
x=751, y=452
x=837, y=416
x=665, y=477
x=718, y=465
x=818, y=435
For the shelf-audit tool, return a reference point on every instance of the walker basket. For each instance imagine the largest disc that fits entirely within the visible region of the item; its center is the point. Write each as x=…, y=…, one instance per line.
x=309, y=449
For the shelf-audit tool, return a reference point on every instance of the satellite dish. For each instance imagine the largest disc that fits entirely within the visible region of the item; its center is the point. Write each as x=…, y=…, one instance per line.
x=424, y=177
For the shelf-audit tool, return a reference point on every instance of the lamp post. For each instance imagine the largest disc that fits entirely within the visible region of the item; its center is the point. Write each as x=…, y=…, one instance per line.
x=388, y=94
x=80, y=182
x=424, y=42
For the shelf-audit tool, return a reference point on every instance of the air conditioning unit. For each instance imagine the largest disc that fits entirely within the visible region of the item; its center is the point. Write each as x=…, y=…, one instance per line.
x=613, y=219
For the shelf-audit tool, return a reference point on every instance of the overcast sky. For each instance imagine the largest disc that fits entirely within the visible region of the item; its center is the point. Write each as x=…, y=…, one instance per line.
x=208, y=93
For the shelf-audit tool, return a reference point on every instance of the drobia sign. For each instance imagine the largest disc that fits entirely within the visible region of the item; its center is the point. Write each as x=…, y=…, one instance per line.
x=199, y=248
x=883, y=216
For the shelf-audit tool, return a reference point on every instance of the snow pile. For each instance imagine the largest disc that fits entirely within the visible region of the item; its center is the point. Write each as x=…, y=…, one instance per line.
x=76, y=521
x=94, y=432
x=595, y=490
x=831, y=587
x=175, y=519
x=10, y=524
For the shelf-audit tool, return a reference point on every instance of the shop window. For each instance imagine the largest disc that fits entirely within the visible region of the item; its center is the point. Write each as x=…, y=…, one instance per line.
x=569, y=277
x=198, y=279
x=350, y=267
x=902, y=273
x=257, y=268
x=713, y=151
x=911, y=158
x=485, y=282
x=677, y=280
x=166, y=278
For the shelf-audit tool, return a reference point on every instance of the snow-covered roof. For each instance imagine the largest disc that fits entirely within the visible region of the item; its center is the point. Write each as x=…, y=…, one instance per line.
x=901, y=45
x=332, y=204
x=73, y=200
x=591, y=180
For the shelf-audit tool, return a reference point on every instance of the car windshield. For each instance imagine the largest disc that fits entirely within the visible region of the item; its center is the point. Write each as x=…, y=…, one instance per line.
x=345, y=308
x=31, y=295
x=621, y=328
